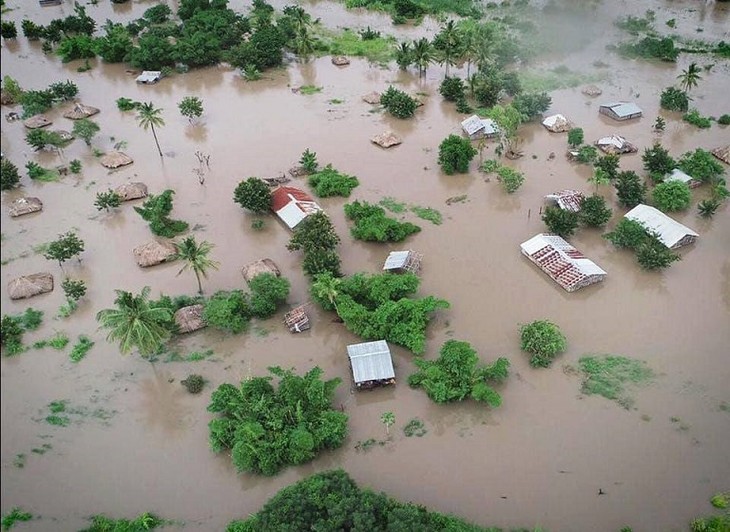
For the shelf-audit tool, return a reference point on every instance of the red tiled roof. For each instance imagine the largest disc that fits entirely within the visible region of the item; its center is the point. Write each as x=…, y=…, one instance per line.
x=281, y=196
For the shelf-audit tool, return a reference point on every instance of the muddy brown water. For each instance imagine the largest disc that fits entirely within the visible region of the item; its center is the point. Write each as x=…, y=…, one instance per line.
x=538, y=460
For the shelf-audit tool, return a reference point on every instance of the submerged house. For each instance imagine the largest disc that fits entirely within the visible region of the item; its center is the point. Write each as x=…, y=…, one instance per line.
x=371, y=364
x=149, y=77
x=562, y=262
x=557, y=123
x=403, y=261
x=477, y=128
x=620, y=110
x=292, y=205
x=568, y=200
x=670, y=232
x=615, y=144
x=679, y=175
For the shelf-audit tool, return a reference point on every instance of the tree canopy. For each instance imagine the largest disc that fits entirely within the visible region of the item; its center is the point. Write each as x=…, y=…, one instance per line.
x=372, y=224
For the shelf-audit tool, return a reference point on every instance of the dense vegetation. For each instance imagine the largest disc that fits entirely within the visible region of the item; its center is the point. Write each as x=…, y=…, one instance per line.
x=329, y=182
x=543, y=340
x=315, y=236
x=650, y=252
x=156, y=210
x=671, y=196
x=372, y=224
x=253, y=194
x=455, y=154
x=398, y=103
x=611, y=376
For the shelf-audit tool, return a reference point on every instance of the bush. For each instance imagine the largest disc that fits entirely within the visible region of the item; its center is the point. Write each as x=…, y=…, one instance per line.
x=627, y=234
x=372, y=224
x=309, y=161
x=8, y=29
x=587, y=154
x=253, y=194
x=157, y=14
x=510, y=178
x=594, y=212
x=707, y=208
x=398, y=103
x=31, y=30
x=543, y=340
x=329, y=182
x=672, y=196
x=575, y=137
x=9, y=176
x=462, y=106
x=452, y=89
x=630, y=189
x=724, y=120
x=107, y=200
x=127, y=104
x=673, y=99
x=455, y=154
x=267, y=292
x=76, y=47
x=316, y=237
x=228, y=311
x=156, y=209
x=701, y=165
x=75, y=166
x=559, y=221
x=651, y=48
x=696, y=119
x=653, y=255
x=658, y=162
x=532, y=105
x=85, y=129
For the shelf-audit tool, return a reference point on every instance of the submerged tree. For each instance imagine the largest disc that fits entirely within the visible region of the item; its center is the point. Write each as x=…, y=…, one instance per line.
x=67, y=246
x=196, y=258
x=191, y=107
x=689, y=78
x=149, y=116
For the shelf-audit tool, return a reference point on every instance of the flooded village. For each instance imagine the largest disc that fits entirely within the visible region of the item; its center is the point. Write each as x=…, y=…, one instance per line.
x=614, y=416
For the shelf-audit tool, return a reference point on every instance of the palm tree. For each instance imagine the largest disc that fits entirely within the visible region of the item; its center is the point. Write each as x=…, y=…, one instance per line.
x=196, y=258
x=149, y=116
x=469, y=48
x=134, y=324
x=689, y=77
x=422, y=55
x=326, y=285
x=404, y=55
x=448, y=42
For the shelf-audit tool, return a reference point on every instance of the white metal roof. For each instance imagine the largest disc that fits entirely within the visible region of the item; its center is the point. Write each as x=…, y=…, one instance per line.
x=396, y=259
x=669, y=231
x=149, y=76
x=623, y=108
x=553, y=120
x=568, y=200
x=370, y=361
x=472, y=125
x=291, y=214
x=678, y=175
x=612, y=140
x=567, y=252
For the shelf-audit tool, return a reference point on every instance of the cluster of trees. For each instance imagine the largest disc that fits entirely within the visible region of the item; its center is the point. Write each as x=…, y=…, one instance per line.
x=677, y=99
x=156, y=210
x=373, y=225
x=267, y=428
x=651, y=253
x=594, y=212
x=254, y=195
x=455, y=154
x=377, y=307
x=398, y=103
x=9, y=176
x=39, y=101
x=329, y=182
x=12, y=329
x=316, y=237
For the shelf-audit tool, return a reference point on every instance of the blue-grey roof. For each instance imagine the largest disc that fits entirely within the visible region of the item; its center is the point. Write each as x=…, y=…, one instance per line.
x=623, y=108
x=370, y=361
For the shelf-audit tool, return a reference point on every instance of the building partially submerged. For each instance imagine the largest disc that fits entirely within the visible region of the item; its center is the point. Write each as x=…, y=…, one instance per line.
x=371, y=364
x=251, y=270
x=615, y=145
x=568, y=200
x=722, y=153
x=620, y=110
x=31, y=285
x=477, y=128
x=297, y=320
x=25, y=205
x=403, y=261
x=292, y=205
x=557, y=123
x=154, y=252
x=149, y=77
x=679, y=175
x=562, y=262
x=189, y=319
x=670, y=232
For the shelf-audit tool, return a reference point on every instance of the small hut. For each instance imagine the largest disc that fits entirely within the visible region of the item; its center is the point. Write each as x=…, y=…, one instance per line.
x=30, y=285
x=568, y=200
x=477, y=128
x=148, y=77
x=591, y=90
x=340, y=60
x=115, y=159
x=27, y=205
x=403, y=261
x=297, y=320
x=679, y=175
x=131, y=191
x=557, y=124
x=36, y=122
x=620, y=110
x=371, y=364
x=153, y=253
x=386, y=139
x=722, y=153
x=249, y=271
x=80, y=111
x=615, y=145
x=373, y=98
x=189, y=319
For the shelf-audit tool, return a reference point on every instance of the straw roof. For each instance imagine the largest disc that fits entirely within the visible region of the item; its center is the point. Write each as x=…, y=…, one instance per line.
x=249, y=271
x=386, y=139
x=80, y=111
x=153, y=253
x=131, y=191
x=340, y=60
x=722, y=153
x=37, y=121
x=26, y=205
x=189, y=319
x=372, y=98
x=557, y=123
x=115, y=159
x=30, y=285
x=591, y=90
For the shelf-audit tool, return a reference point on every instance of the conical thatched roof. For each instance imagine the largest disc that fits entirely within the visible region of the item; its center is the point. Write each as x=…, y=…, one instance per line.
x=722, y=153
x=591, y=90
x=115, y=159
x=189, y=319
x=250, y=271
x=80, y=111
x=386, y=139
x=153, y=253
x=26, y=205
x=340, y=60
x=372, y=98
x=34, y=122
x=30, y=285
x=131, y=191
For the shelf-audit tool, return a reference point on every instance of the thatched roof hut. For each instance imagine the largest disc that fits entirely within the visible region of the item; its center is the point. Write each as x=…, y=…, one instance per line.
x=591, y=90
x=557, y=123
x=249, y=271
x=26, y=205
x=66, y=136
x=340, y=60
x=115, y=159
x=386, y=139
x=189, y=319
x=372, y=98
x=37, y=121
x=30, y=285
x=131, y=191
x=80, y=111
x=722, y=153
x=153, y=253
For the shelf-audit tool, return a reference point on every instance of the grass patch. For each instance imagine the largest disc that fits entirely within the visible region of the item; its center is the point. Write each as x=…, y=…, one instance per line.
x=15, y=515
x=696, y=119
x=308, y=90
x=58, y=342
x=368, y=444
x=428, y=213
x=145, y=521
x=414, y=427
x=43, y=449
x=393, y=205
x=378, y=50
x=19, y=460
x=721, y=500
x=59, y=421
x=80, y=348
x=610, y=376
x=31, y=319
x=195, y=356
x=560, y=77
x=335, y=101
x=261, y=332
x=37, y=173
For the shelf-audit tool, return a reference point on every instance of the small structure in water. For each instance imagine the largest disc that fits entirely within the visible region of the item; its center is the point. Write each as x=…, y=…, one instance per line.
x=189, y=319
x=620, y=110
x=297, y=320
x=47, y=3
x=615, y=144
x=153, y=253
x=149, y=77
x=477, y=128
x=25, y=205
x=670, y=232
x=251, y=270
x=568, y=200
x=557, y=124
x=31, y=285
x=722, y=153
x=371, y=364
x=131, y=191
x=292, y=205
x=679, y=175
x=403, y=261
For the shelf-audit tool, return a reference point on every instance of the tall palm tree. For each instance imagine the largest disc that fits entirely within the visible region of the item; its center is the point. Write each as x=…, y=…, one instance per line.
x=689, y=77
x=196, y=258
x=404, y=55
x=326, y=285
x=422, y=55
x=448, y=42
x=148, y=117
x=469, y=48
x=134, y=324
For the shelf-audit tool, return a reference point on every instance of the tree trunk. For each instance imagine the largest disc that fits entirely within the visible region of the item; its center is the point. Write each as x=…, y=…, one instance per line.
x=154, y=134
x=200, y=286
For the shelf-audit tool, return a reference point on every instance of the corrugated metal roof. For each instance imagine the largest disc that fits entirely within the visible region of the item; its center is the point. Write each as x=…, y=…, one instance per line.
x=472, y=125
x=623, y=108
x=490, y=126
x=149, y=76
x=291, y=214
x=396, y=260
x=562, y=262
x=612, y=140
x=282, y=195
x=370, y=361
x=678, y=175
x=669, y=231
x=568, y=200
x=292, y=205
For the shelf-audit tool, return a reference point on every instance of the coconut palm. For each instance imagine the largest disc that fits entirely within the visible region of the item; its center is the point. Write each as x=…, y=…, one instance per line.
x=469, y=48
x=327, y=286
x=135, y=324
x=387, y=419
x=196, y=258
x=148, y=117
x=422, y=55
x=689, y=78
x=404, y=55
x=448, y=43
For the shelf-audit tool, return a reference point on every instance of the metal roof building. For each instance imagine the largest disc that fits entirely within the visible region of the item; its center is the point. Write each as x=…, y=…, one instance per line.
x=403, y=261
x=477, y=128
x=557, y=123
x=568, y=200
x=620, y=110
x=615, y=144
x=562, y=262
x=670, y=232
x=679, y=175
x=371, y=364
x=292, y=205
x=149, y=76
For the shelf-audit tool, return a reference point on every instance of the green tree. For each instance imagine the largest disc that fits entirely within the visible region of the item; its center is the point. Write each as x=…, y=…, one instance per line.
x=76, y=47
x=658, y=162
x=630, y=189
x=398, y=103
x=404, y=55
x=9, y=176
x=510, y=178
x=653, y=255
x=316, y=237
x=67, y=246
x=228, y=311
x=268, y=292
x=627, y=234
x=594, y=212
x=690, y=77
x=532, y=105
x=575, y=137
x=508, y=119
x=452, y=89
x=253, y=194
x=107, y=200
x=422, y=55
x=309, y=161
x=195, y=256
x=543, y=340
x=387, y=419
x=40, y=138
x=329, y=182
x=191, y=107
x=85, y=129
x=372, y=224
x=157, y=14
x=609, y=163
x=455, y=154
x=73, y=289
x=149, y=116
x=560, y=221
x=673, y=99
x=153, y=51
x=156, y=210
x=672, y=196
x=115, y=45
x=8, y=29
x=326, y=288
x=587, y=154
x=448, y=44
x=701, y=165
x=135, y=324
x=600, y=177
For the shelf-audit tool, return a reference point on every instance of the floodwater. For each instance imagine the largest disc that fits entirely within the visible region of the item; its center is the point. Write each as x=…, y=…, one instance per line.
x=538, y=460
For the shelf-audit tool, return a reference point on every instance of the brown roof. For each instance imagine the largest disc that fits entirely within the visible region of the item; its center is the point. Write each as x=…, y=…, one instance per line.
x=115, y=159
x=722, y=153
x=131, y=191
x=30, y=285
x=280, y=197
x=258, y=267
x=189, y=319
x=153, y=252
x=340, y=60
x=372, y=98
x=386, y=139
x=80, y=111
x=23, y=206
x=34, y=122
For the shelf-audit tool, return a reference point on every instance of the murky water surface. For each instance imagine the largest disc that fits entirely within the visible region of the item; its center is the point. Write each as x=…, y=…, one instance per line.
x=539, y=459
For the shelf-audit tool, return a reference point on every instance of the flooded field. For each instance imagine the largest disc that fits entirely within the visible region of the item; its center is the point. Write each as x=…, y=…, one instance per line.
x=139, y=441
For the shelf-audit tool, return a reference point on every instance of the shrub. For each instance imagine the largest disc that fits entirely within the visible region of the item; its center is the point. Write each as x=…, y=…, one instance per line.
x=157, y=14
x=127, y=104
x=8, y=29
x=587, y=154
x=630, y=189
x=309, y=161
x=329, y=182
x=193, y=383
x=696, y=119
x=653, y=255
x=85, y=129
x=724, y=120
x=672, y=196
x=76, y=47
x=398, y=103
x=560, y=221
x=608, y=164
x=673, y=99
x=156, y=209
x=81, y=348
x=452, y=89
x=575, y=137
x=316, y=237
x=462, y=106
x=510, y=178
x=543, y=340
x=73, y=289
x=658, y=162
x=707, y=208
x=651, y=48
x=267, y=292
x=190, y=106
x=594, y=212
x=701, y=165
x=75, y=166
x=455, y=154
x=627, y=234
x=31, y=30
x=253, y=194
x=532, y=105
x=228, y=311
x=107, y=200
x=372, y=224
x=9, y=176
x=67, y=246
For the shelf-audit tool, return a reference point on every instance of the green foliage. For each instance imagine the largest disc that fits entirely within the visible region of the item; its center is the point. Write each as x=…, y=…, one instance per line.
x=31, y=30
x=258, y=224
x=462, y=106
x=452, y=89
x=193, y=383
x=653, y=255
x=191, y=107
x=707, y=208
x=329, y=182
x=114, y=46
x=672, y=196
x=73, y=289
x=85, y=129
x=575, y=137
x=58, y=342
x=594, y=212
x=11, y=334
x=372, y=224
x=701, y=165
x=153, y=51
x=673, y=99
x=228, y=311
x=263, y=50
x=532, y=105
x=635, y=25
x=269, y=428
x=76, y=47
x=40, y=138
x=651, y=48
x=9, y=176
x=156, y=209
x=543, y=340
x=80, y=348
x=75, y=166
x=658, y=162
x=127, y=104
x=610, y=376
x=387, y=419
x=142, y=523
x=107, y=200
x=8, y=29
x=316, y=237
x=455, y=154
x=268, y=292
x=414, y=427
x=724, y=120
x=715, y=523
x=349, y=43
x=696, y=119
x=630, y=189
x=195, y=257
x=309, y=161
x=428, y=213
x=721, y=500
x=157, y=14
x=627, y=234
x=393, y=205
x=587, y=154
x=398, y=103
x=67, y=246
x=455, y=375
x=253, y=194
x=15, y=515
x=510, y=178
x=559, y=221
